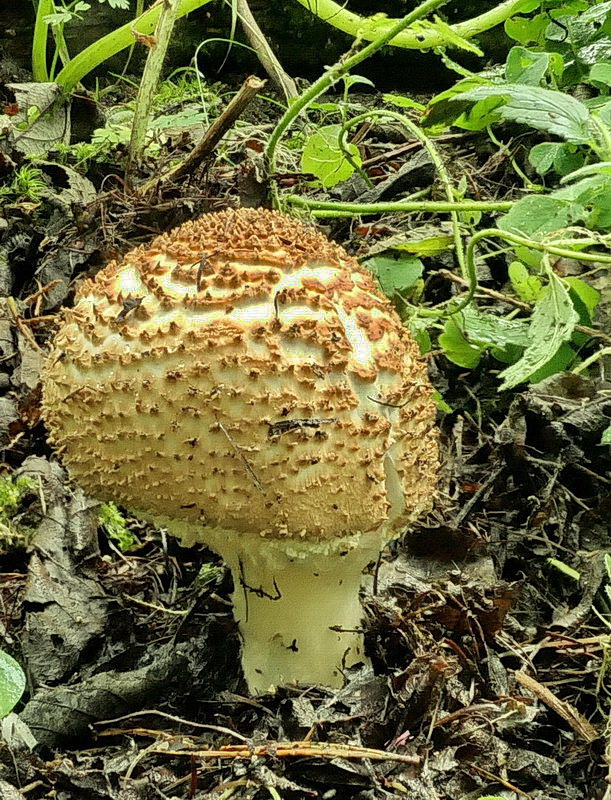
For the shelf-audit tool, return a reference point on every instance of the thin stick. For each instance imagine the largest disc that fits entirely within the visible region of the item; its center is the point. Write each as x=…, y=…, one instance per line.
x=213, y=135
x=569, y=713
x=302, y=749
x=265, y=54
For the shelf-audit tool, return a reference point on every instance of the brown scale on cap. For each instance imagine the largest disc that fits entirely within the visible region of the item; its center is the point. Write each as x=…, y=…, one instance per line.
x=245, y=374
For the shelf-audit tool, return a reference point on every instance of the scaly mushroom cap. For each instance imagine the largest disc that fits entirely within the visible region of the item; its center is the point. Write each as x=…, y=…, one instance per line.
x=244, y=373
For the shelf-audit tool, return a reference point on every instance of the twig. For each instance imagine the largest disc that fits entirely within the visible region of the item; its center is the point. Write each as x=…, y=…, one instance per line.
x=504, y=298
x=147, y=712
x=242, y=457
x=213, y=135
x=492, y=777
x=303, y=749
x=265, y=54
x=569, y=713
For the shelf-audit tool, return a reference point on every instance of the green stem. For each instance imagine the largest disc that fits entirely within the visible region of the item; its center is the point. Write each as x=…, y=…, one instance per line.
x=370, y=28
x=150, y=80
x=444, y=176
x=399, y=205
x=111, y=44
x=521, y=241
x=333, y=74
x=39, y=42
x=605, y=351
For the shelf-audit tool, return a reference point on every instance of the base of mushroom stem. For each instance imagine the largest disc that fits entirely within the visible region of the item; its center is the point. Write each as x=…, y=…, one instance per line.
x=301, y=622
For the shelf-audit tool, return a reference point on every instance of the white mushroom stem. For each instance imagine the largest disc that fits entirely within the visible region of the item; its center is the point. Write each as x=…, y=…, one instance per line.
x=301, y=620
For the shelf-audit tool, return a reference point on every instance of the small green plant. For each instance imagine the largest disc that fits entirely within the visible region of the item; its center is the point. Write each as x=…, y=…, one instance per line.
x=12, y=492
x=27, y=184
x=113, y=522
x=12, y=683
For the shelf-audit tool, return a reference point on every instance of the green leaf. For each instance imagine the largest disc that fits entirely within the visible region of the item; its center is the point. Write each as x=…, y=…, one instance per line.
x=592, y=197
x=528, y=287
x=323, y=156
x=395, y=275
x=568, y=159
x=450, y=37
x=418, y=327
x=470, y=332
x=552, y=323
x=525, y=30
x=588, y=295
x=441, y=403
x=606, y=439
x=561, y=359
x=525, y=66
x=535, y=216
x=443, y=110
x=564, y=568
x=12, y=683
x=542, y=109
x=456, y=347
x=401, y=101
x=542, y=156
x=601, y=73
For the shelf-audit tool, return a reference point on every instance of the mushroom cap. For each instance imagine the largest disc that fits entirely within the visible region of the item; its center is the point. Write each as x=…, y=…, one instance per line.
x=244, y=373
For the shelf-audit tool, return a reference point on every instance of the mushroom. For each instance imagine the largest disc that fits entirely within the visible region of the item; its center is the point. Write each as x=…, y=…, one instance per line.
x=242, y=382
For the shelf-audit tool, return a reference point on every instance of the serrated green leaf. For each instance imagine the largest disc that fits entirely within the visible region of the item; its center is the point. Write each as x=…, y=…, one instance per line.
x=430, y=246
x=535, y=216
x=469, y=333
x=395, y=275
x=323, y=157
x=542, y=109
x=552, y=324
x=12, y=683
x=559, y=362
x=528, y=287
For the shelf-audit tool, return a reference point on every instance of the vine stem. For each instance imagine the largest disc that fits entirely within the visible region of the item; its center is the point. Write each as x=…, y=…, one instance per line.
x=370, y=28
x=384, y=207
x=438, y=163
x=521, y=241
x=115, y=41
x=332, y=75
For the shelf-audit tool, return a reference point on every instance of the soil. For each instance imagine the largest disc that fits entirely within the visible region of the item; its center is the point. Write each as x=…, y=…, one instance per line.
x=490, y=656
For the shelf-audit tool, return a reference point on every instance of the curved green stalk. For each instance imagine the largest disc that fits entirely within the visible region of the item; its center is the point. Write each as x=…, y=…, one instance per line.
x=333, y=74
x=370, y=28
x=444, y=176
x=521, y=241
x=40, y=72
x=111, y=44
